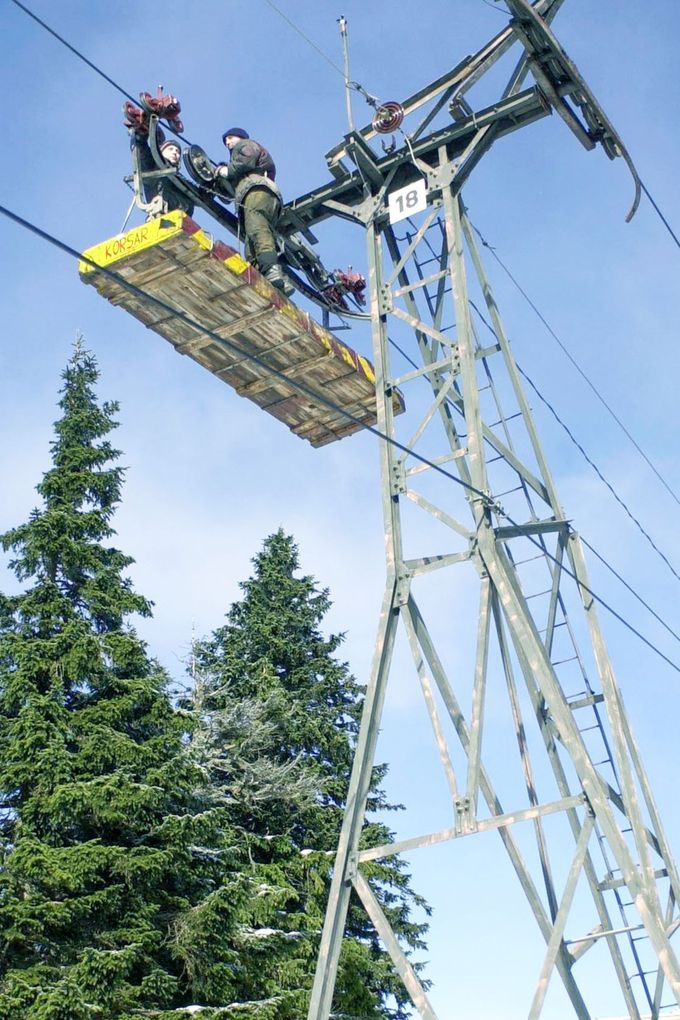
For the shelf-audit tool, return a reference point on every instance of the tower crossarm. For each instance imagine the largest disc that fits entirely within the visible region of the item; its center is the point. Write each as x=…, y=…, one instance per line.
x=447, y=155
x=455, y=82
x=565, y=88
x=351, y=189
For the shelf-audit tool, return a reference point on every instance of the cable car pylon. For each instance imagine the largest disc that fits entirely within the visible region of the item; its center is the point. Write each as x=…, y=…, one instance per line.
x=573, y=778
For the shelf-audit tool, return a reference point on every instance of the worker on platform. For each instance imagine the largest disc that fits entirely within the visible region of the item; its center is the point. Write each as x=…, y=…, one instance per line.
x=160, y=191
x=251, y=173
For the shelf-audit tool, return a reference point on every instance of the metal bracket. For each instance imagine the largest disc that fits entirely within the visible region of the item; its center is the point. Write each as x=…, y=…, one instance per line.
x=491, y=504
x=464, y=820
x=385, y=302
x=398, y=478
x=439, y=178
x=402, y=589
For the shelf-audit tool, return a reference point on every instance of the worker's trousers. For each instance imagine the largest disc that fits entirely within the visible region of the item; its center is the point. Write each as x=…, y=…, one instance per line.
x=261, y=210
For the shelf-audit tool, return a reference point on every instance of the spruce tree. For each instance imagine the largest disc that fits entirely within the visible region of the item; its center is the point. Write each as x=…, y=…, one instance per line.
x=278, y=723
x=117, y=897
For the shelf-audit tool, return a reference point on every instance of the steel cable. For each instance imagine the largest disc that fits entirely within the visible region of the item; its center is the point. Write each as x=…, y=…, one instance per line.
x=94, y=67
x=484, y=242
x=371, y=429
x=576, y=365
x=309, y=392
x=588, y=460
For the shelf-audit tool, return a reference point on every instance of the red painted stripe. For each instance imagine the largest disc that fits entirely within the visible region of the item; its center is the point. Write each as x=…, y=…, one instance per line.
x=190, y=226
x=222, y=252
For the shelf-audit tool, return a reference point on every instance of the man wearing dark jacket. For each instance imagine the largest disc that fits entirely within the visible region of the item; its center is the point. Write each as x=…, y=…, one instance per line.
x=251, y=173
x=159, y=189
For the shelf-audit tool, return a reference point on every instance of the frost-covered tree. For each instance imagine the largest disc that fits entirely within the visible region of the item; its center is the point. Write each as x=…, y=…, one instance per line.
x=117, y=893
x=278, y=719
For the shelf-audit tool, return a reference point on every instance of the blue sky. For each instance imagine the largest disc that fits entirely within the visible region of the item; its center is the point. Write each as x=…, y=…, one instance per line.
x=209, y=475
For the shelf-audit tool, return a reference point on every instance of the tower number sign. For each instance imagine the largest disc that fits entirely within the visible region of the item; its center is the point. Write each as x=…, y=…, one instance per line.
x=407, y=201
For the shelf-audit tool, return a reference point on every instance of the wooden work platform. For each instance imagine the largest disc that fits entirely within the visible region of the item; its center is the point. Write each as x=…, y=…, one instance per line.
x=170, y=258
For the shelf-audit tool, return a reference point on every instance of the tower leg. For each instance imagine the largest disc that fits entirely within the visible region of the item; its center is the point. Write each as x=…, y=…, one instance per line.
x=459, y=455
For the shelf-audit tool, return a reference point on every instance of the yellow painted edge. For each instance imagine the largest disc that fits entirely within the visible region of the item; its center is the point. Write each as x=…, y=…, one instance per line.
x=202, y=239
x=368, y=369
x=162, y=227
x=236, y=264
x=145, y=236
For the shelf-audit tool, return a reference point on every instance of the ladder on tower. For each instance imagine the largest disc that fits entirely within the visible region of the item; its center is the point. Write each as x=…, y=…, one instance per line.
x=428, y=250
x=540, y=693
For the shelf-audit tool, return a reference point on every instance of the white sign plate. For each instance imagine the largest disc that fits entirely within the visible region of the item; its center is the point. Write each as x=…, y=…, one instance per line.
x=407, y=201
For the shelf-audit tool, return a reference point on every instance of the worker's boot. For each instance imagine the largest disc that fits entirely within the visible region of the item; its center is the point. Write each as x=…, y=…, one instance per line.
x=276, y=277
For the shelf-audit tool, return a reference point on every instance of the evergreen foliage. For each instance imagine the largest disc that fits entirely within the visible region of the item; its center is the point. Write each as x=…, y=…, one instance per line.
x=142, y=875
x=109, y=854
x=278, y=718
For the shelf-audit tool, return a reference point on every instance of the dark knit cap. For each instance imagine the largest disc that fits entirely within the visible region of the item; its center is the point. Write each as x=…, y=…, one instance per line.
x=238, y=132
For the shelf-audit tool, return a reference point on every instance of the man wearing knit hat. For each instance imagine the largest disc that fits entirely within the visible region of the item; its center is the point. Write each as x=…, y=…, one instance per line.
x=158, y=187
x=251, y=173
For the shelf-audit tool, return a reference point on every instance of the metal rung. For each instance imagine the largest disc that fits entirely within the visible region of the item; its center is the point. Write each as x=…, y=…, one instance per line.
x=529, y=559
x=543, y=630
x=587, y=701
x=594, y=935
x=536, y=593
x=507, y=492
x=503, y=421
x=606, y=761
x=586, y=729
x=561, y=662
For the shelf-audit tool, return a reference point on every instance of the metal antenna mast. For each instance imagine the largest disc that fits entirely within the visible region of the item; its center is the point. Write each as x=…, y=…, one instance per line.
x=578, y=820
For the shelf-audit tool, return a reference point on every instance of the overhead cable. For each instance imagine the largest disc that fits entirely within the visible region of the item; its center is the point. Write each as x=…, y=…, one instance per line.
x=576, y=365
x=90, y=64
x=295, y=384
x=599, y=474
x=319, y=397
x=632, y=591
x=354, y=85
x=296, y=28
x=484, y=242
x=81, y=56
x=660, y=214
x=588, y=460
x=598, y=555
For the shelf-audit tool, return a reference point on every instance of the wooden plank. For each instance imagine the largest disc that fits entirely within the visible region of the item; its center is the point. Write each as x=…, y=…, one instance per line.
x=173, y=260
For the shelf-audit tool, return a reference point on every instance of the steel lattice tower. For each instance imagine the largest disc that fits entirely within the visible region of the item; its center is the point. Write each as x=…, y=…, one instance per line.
x=467, y=465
